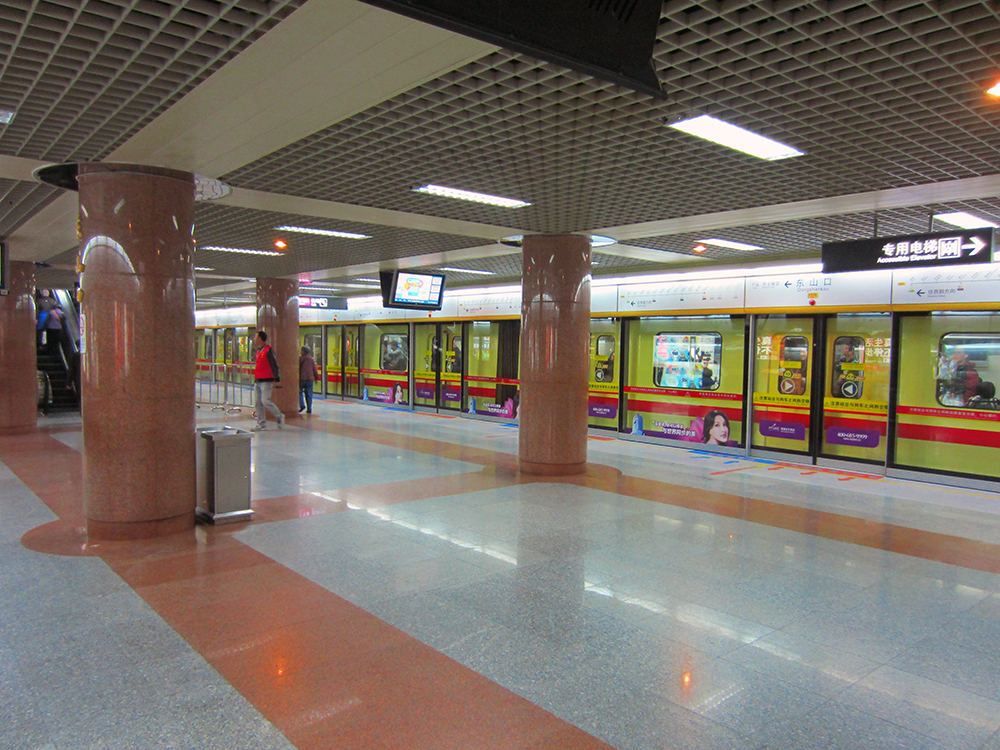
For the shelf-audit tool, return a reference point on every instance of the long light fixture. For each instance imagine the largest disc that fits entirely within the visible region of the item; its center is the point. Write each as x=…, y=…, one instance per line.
x=325, y=232
x=731, y=245
x=239, y=250
x=203, y=268
x=6, y=116
x=735, y=137
x=995, y=91
x=964, y=220
x=467, y=195
x=466, y=270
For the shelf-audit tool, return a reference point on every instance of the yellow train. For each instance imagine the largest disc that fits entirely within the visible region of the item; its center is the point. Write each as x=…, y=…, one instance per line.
x=899, y=392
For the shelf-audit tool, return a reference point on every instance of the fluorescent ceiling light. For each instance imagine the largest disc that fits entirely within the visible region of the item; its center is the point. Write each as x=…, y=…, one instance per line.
x=376, y=280
x=239, y=250
x=731, y=245
x=466, y=270
x=964, y=220
x=325, y=232
x=6, y=116
x=995, y=91
x=466, y=195
x=735, y=137
x=203, y=268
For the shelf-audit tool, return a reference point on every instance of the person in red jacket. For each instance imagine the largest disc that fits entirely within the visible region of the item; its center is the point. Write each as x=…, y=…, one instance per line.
x=265, y=375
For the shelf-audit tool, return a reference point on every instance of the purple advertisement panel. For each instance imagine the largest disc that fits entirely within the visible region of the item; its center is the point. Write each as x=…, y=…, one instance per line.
x=787, y=430
x=602, y=411
x=855, y=437
x=452, y=397
x=425, y=391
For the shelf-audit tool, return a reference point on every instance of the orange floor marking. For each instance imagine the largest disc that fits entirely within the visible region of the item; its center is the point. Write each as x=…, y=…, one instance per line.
x=325, y=672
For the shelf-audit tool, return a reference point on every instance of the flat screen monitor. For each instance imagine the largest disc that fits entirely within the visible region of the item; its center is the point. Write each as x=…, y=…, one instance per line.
x=415, y=291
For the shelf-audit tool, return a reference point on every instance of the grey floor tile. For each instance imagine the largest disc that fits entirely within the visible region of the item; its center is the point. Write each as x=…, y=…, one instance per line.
x=944, y=660
x=826, y=670
x=955, y=717
x=834, y=726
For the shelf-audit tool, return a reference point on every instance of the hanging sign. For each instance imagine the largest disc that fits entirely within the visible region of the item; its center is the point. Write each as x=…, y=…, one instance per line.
x=962, y=246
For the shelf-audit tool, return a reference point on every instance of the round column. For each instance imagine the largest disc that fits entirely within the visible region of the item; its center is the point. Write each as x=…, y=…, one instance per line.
x=18, y=355
x=555, y=354
x=278, y=314
x=138, y=352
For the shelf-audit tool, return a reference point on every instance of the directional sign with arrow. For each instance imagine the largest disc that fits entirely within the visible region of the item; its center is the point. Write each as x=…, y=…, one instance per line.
x=958, y=247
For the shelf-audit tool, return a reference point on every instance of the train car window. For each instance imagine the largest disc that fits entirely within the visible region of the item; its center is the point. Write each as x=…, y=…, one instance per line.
x=848, y=380
x=793, y=364
x=604, y=358
x=966, y=371
x=394, y=348
x=687, y=360
x=453, y=363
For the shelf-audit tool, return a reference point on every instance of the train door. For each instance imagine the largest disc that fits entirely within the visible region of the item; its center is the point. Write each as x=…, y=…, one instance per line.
x=491, y=381
x=452, y=362
x=783, y=374
x=352, y=360
x=333, y=372
x=854, y=424
x=602, y=407
x=230, y=347
x=427, y=367
x=947, y=416
x=385, y=370
x=312, y=336
x=684, y=380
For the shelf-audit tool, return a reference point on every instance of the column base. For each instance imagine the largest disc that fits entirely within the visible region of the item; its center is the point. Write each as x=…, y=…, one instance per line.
x=551, y=470
x=120, y=531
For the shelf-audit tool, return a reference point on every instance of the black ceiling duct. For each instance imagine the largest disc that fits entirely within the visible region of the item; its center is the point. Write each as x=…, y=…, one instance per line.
x=608, y=39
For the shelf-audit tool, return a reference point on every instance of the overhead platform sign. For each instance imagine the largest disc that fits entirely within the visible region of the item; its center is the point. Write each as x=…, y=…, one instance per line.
x=960, y=247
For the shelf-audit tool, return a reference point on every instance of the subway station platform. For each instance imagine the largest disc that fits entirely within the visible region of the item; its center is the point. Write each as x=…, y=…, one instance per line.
x=401, y=586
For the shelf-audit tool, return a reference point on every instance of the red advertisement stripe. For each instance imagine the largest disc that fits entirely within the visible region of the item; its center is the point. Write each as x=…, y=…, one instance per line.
x=952, y=435
x=924, y=411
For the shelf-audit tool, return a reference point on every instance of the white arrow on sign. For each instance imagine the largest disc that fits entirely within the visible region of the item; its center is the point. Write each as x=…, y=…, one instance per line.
x=975, y=243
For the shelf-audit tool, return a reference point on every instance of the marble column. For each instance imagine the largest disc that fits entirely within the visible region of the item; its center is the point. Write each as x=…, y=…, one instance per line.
x=278, y=314
x=555, y=354
x=138, y=356
x=18, y=354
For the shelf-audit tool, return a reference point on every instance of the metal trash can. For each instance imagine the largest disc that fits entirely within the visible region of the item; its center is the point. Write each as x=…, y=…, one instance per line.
x=223, y=473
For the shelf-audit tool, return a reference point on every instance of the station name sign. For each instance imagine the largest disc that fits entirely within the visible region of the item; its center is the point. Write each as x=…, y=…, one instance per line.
x=323, y=303
x=961, y=247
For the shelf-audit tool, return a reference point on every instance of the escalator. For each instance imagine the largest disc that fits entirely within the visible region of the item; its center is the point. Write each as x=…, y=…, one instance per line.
x=59, y=360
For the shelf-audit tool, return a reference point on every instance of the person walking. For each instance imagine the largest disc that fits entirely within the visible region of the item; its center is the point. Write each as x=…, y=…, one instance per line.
x=308, y=374
x=53, y=329
x=265, y=375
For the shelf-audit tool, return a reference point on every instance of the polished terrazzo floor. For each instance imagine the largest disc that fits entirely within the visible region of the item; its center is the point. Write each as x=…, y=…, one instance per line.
x=402, y=587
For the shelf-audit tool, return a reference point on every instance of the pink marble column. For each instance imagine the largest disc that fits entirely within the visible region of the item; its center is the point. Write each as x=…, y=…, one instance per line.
x=555, y=354
x=138, y=358
x=278, y=314
x=18, y=355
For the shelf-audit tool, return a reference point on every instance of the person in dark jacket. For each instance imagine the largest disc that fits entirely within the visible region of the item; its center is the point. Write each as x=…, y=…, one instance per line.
x=265, y=375
x=308, y=374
